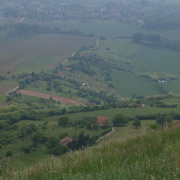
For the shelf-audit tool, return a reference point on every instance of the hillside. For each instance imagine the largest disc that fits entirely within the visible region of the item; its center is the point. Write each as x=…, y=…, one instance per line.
x=89, y=90
x=141, y=156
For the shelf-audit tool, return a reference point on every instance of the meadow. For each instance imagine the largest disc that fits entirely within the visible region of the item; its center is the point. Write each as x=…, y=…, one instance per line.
x=139, y=59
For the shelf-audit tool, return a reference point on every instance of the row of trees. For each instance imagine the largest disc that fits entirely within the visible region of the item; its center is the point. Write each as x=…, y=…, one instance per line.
x=155, y=41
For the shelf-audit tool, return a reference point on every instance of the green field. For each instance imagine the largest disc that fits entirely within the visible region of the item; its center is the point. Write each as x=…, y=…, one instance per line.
x=140, y=59
x=105, y=28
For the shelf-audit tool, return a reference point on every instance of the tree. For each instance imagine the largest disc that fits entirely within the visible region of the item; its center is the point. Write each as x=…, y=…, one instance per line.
x=63, y=121
x=54, y=147
x=119, y=119
x=38, y=137
x=9, y=153
x=26, y=149
x=137, y=123
x=52, y=142
x=160, y=120
x=81, y=141
x=169, y=118
x=59, y=150
x=8, y=99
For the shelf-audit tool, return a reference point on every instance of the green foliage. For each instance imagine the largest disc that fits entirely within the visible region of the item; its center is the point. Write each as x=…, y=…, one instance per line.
x=26, y=149
x=119, y=119
x=169, y=118
x=154, y=127
x=38, y=137
x=9, y=153
x=54, y=147
x=59, y=150
x=137, y=123
x=160, y=119
x=63, y=121
x=81, y=141
x=61, y=136
x=26, y=130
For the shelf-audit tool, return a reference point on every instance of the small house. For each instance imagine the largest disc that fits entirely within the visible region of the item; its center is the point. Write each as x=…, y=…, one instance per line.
x=65, y=141
x=67, y=69
x=103, y=121
x=60, y=74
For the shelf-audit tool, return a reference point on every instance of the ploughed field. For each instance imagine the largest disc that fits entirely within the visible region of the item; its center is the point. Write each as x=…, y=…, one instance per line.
x=63, y=100
x=39, y=53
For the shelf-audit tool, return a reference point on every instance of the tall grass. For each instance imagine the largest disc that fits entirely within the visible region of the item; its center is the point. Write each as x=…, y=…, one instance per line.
x=152, y=156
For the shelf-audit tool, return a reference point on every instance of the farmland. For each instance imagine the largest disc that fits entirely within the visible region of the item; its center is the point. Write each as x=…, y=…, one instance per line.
x=48, y=96
x=39, y=53
x=139, y=59
x=70, y=62
x=6, y=88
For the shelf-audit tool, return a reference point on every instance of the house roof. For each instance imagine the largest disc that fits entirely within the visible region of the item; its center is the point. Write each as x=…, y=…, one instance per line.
x=65, y=141
x=67, y=69
x=60, y=73
x=101, y=119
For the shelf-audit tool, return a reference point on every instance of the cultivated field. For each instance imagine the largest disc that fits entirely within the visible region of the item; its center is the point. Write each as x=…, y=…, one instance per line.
x=5, y=88
x=105, y=28
x=39, y=53
x=139, y=59
x=63, y=100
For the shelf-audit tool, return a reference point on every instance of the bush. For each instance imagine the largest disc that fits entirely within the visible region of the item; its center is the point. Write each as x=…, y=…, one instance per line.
x=9, y=153
x=26, y=149
x=119, y=119
x=63, y=121
x=137, y=123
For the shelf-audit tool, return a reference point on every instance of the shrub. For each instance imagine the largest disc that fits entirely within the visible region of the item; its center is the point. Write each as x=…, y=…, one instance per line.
x=137, y=123
x=9, y=153
x=119, y=119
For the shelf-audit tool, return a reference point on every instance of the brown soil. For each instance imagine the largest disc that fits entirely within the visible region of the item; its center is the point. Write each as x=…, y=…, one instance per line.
x=63, y=100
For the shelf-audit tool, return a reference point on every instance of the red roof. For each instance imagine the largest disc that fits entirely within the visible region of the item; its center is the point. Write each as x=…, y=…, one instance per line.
x=60, y=73
x=65, y=141
x=101, y=119
x=67, y=69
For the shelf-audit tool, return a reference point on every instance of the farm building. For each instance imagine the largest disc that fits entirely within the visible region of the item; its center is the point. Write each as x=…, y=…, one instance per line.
x=65, y=141
x=103, y=121
x=67, y=69
x=60, y=74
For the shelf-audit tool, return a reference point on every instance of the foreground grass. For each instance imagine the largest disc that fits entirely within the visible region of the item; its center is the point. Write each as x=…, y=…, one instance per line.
x=152, y=156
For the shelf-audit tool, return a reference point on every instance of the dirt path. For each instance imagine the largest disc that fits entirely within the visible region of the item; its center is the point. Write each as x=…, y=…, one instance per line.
x=97, y=42
x=67, y=58
x=63, y=100
x=108, y=134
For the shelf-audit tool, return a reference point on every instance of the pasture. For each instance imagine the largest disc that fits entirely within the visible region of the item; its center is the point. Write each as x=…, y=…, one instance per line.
x=139, y=59
x=39, y=53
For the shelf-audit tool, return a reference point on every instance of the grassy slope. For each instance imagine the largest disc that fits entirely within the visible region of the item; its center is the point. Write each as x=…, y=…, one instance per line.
x=151, y=156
